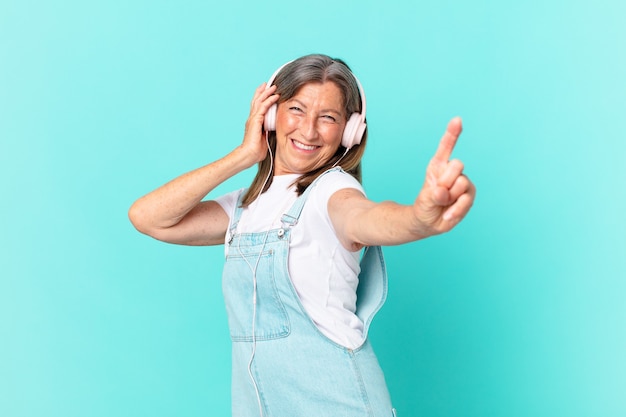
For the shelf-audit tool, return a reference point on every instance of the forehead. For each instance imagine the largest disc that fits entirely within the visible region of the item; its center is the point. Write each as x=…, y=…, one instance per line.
x=326, y=94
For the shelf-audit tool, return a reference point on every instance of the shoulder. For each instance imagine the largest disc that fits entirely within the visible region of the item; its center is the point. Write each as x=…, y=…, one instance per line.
x=328, y=185
x=333, y=181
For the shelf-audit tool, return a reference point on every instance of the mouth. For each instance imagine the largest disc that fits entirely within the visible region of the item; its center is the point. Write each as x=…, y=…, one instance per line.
x=303, y=146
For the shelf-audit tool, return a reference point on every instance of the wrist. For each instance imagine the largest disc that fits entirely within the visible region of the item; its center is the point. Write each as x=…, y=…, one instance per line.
x=243, y=157
x=423, y=222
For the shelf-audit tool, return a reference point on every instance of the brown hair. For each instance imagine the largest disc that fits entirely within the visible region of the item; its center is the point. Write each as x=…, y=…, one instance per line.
x=314, y=69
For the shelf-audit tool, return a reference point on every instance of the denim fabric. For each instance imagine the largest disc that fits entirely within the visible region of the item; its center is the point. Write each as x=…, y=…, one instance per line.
x=298, y=371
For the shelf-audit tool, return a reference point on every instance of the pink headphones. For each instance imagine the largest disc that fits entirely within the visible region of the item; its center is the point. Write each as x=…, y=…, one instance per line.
x=353, y=132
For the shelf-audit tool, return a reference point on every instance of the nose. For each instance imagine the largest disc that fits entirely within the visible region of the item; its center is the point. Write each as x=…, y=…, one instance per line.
x=308, y=127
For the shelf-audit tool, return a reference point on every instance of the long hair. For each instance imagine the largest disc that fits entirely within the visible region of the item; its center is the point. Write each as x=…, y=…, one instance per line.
x=315, y=68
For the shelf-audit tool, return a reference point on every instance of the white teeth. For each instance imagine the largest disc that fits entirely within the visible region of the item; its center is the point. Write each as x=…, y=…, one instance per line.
x=303, y=146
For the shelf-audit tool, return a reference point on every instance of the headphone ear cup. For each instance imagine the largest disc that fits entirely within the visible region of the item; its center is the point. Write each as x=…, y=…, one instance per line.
x=353, y=132
x=270, y=119
x=269, y=124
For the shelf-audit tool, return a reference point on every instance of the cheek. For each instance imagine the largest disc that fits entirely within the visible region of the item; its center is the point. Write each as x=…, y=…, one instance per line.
x=333, y=134
x=285, y=123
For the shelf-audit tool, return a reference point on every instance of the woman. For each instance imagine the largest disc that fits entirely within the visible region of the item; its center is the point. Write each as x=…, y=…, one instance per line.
x=298, y=293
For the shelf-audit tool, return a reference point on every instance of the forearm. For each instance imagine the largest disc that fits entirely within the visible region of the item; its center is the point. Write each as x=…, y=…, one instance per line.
x=167, y=205
x=388, y=223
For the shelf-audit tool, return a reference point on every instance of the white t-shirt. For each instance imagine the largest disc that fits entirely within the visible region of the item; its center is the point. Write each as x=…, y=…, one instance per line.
x=323, y=272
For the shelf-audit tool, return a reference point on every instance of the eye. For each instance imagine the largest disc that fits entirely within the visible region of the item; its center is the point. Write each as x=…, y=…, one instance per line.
x=296, y=109
x=329, y=118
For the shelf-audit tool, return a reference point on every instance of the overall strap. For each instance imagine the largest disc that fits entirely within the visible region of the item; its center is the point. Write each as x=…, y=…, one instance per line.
x=291, y=217
x=237, y=213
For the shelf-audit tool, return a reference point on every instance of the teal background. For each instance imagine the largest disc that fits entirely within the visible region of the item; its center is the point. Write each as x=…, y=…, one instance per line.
x=518, y=312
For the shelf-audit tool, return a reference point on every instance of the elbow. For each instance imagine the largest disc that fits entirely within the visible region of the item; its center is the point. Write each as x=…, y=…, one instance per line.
x=137, y=219
x=140, y=217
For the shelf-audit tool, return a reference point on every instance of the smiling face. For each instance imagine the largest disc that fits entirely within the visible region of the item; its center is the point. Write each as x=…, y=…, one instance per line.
x=309, y=127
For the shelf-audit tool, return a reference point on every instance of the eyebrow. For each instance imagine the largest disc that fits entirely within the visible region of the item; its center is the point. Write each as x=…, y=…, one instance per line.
x=301, y=104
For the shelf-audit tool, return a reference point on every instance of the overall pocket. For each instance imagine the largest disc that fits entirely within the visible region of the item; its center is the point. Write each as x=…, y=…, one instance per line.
x=269, y=314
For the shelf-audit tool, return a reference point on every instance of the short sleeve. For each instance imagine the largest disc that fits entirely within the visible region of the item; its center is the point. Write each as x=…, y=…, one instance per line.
x=335, y=181
x=228, y=202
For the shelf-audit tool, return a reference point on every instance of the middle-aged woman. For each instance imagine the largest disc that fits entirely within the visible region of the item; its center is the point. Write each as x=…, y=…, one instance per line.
x=299, y=292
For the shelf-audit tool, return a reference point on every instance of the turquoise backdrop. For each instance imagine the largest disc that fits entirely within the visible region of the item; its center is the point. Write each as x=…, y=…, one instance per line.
x=520, y=311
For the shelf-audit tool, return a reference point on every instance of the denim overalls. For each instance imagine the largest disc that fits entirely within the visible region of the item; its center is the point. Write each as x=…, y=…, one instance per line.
x=298, y=371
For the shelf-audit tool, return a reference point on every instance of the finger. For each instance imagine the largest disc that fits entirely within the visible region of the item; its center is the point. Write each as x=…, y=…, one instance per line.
x=258, y=92
x=460, y=187
x=262, y=93
x=452, y=171
x=448, y=140
x=268, y=90
x=446, y=196
x=441, y=197
x=267, y=103
x=263, y=100
x=457, y=211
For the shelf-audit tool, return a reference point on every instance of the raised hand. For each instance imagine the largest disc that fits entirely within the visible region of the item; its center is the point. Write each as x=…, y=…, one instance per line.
x=447, y=194
x=254, y=140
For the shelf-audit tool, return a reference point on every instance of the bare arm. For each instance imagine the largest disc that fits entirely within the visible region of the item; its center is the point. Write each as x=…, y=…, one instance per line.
x=445, y=198
x=175, y=212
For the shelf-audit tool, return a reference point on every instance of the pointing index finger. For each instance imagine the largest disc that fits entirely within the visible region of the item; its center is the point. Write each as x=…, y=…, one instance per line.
x=448, y=140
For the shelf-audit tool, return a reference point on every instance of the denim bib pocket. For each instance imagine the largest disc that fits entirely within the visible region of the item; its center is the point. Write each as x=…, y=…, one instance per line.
x=270, y=318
